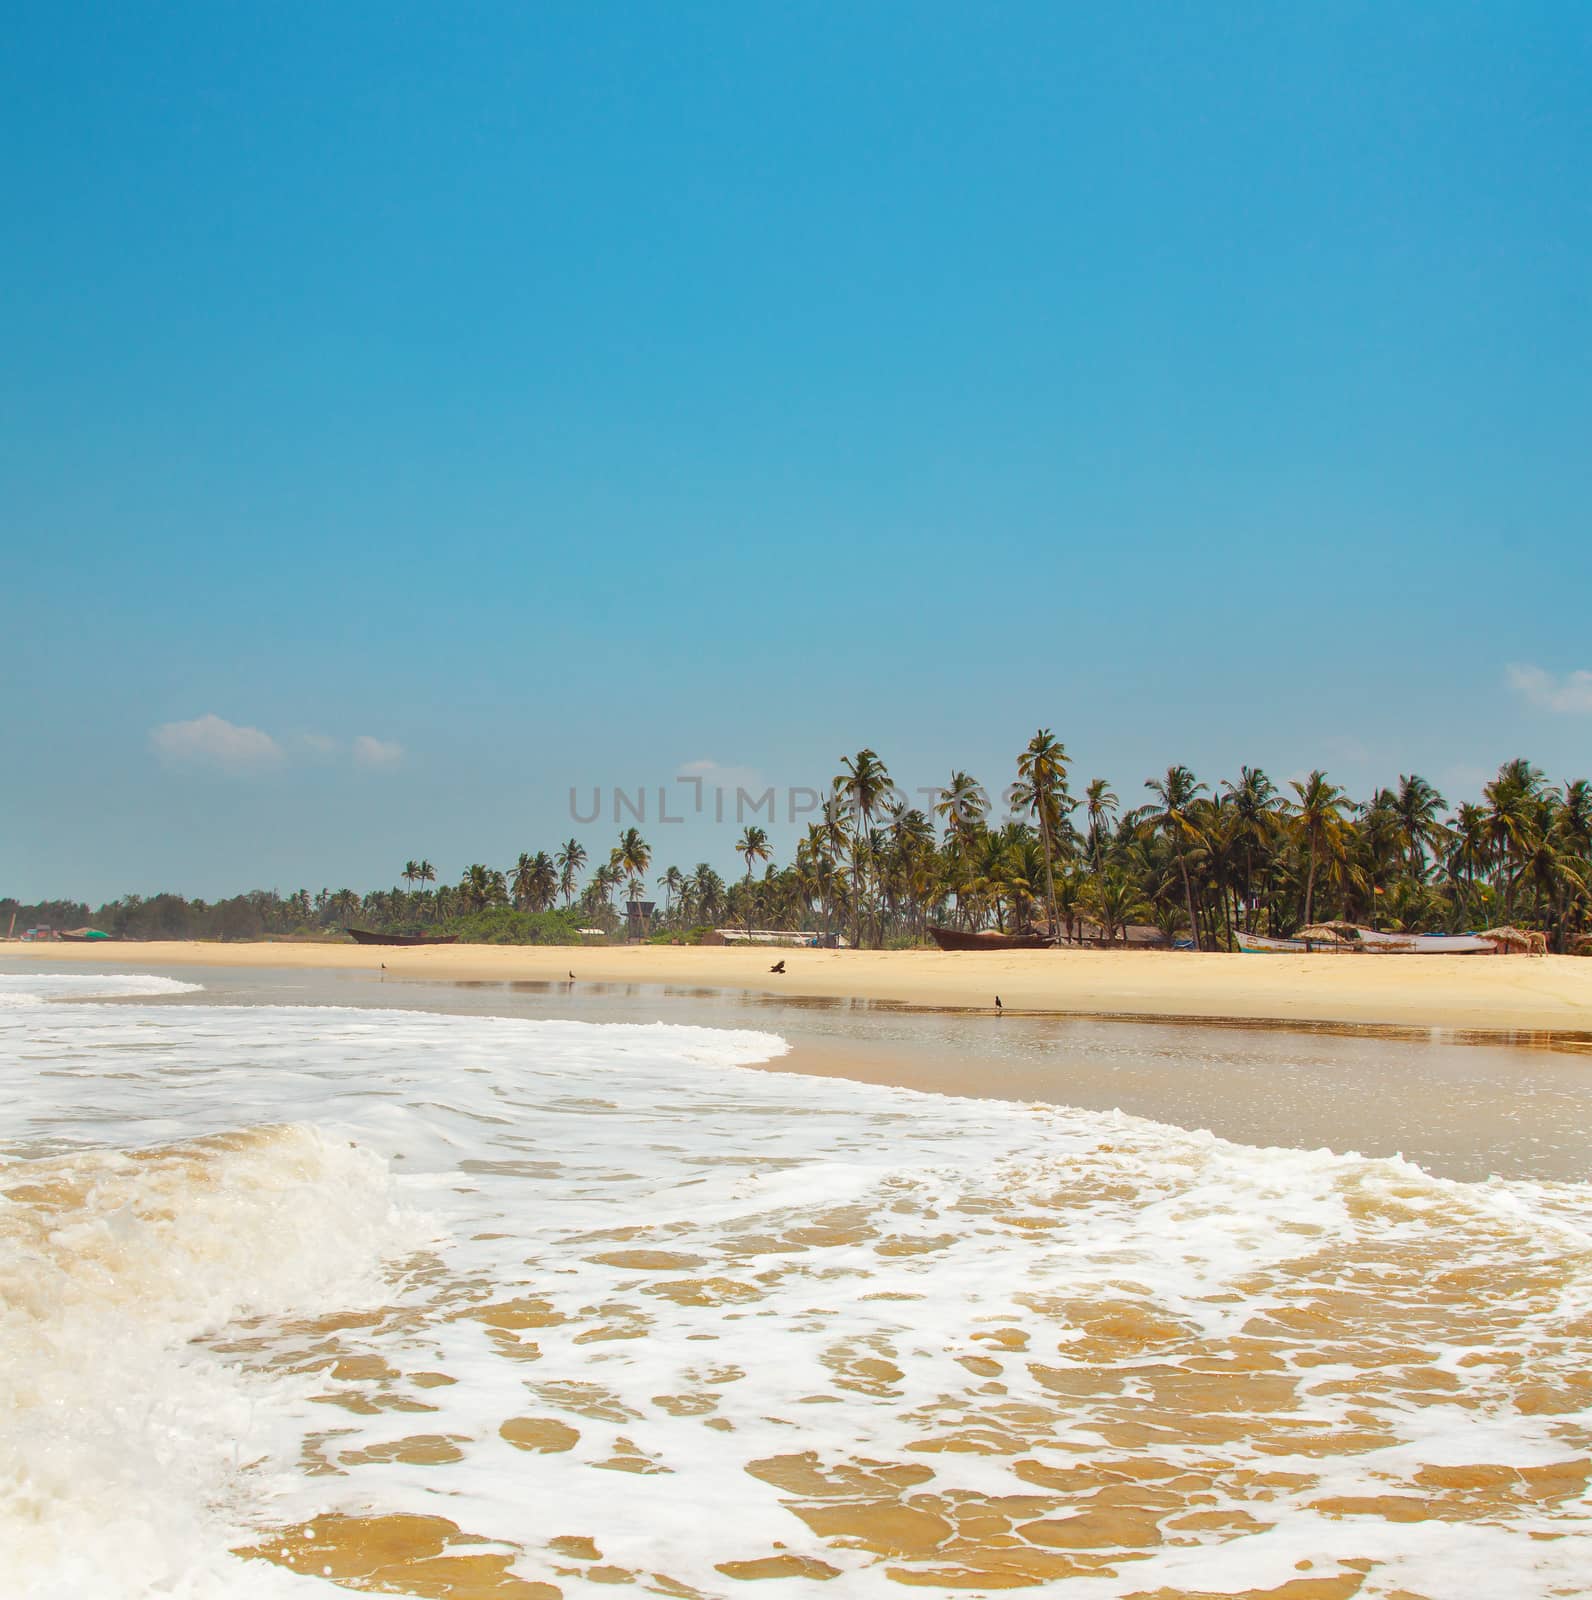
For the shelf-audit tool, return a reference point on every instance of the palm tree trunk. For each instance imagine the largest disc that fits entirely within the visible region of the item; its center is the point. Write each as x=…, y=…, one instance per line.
x=1310, y=881
x=1050, y=877
x=1188, y=898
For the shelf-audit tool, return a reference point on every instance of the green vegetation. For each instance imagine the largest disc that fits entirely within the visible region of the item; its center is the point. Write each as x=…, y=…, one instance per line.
x=1195, y=862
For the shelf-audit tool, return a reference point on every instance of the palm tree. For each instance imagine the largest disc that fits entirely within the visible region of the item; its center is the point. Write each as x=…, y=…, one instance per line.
x=1253, y=801
x=1511, y=798
x=569, y=859
x=1043, y=770
x=1176, y=792
x=423, y=871
x=752, y=846
x=1100, y=807
x=411, y=874
x=862, y=784
x=1416, y=806
x=483, y=886
x=630, y=858
x=520, y=880
x=707, y=892
x=672, y=882
x=1113, y=900
x=1382, y=846
x=1470, y=850
x=542, y=886
x=1555, y=874
x=1318, y=815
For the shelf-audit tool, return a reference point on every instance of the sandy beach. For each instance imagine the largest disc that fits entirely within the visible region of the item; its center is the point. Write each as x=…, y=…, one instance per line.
x=1546, y=993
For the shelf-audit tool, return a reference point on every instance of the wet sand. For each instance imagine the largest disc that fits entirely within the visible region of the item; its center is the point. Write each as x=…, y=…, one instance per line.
x=1541, y=993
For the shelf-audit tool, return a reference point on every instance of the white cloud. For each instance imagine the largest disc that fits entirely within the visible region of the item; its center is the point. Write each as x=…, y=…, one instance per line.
x=1572, y=692
x=713, y=775
x=376, y=753
x=213, y=741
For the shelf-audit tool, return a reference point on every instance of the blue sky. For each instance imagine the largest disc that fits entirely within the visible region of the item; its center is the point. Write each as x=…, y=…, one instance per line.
x=563, y=395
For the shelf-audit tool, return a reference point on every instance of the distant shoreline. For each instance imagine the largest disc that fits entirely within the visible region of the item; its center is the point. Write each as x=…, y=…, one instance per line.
x=1536, y=993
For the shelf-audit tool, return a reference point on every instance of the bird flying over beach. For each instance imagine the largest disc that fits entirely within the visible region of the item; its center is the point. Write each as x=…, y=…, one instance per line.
x=779, y=966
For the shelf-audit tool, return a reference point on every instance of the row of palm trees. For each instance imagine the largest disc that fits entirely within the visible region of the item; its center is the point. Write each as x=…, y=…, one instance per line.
x=1198, y=863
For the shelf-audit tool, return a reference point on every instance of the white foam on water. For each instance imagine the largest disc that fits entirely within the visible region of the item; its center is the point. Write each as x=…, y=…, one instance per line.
x=26, y=989
x=689, y=1312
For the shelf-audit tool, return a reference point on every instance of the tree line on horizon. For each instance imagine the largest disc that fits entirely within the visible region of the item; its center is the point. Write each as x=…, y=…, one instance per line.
x=1194, y=862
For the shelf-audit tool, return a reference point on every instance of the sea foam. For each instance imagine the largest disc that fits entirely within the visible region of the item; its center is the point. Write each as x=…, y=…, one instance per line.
x=604, y=1307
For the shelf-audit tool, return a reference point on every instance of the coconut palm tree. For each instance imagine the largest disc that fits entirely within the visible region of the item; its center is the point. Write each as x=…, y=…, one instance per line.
x=424, y=873
x=672, y=883
x=1100, y=806
x=1380, y=844
x=861, y=784
x=1417, y=805
x=707, y=892
x=1253, y=801
x=1113, y=900
x=519, y=876
x=1318, y=818
x=752, y=846
x=1470, y=851
x=570, y=859
x=1173, y=819
x=1042, y=767
x=483, y=886
x=543, y=883
x=630, y=858
x=1511, y=802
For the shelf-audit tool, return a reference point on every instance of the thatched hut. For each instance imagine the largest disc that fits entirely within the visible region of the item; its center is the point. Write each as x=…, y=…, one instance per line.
x=1522, y=941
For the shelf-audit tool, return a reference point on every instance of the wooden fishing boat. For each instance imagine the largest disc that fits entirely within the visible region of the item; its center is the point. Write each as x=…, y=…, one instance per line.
x=365, y=936
x=955, y=939
x=1346, y=939
x=1255, y=944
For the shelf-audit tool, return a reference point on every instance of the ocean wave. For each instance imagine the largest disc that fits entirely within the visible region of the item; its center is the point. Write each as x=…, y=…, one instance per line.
x=691, y=1324
x=122, y=1443
x=18, y=989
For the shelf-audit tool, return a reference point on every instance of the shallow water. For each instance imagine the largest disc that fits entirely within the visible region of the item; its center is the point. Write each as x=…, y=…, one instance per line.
x=1460, y=1105
x=428, y=1302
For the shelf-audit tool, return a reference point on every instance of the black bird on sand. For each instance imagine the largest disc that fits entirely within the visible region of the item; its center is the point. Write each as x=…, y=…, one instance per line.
x=572, y=977
x=997, y=1005
x=779, y=966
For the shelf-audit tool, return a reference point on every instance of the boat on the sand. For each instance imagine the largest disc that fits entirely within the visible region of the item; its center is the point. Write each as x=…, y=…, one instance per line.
x=365, y=936
x=955, y=939
x=1348, y=939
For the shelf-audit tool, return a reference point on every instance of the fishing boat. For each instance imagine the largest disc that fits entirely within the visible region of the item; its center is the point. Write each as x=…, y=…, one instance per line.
x=1348, y=939
x=365, y=936
x=955, y=939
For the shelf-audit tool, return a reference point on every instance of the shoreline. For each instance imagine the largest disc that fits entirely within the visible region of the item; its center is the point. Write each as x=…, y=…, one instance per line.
x=1485, y=994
